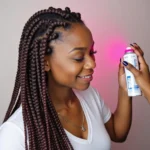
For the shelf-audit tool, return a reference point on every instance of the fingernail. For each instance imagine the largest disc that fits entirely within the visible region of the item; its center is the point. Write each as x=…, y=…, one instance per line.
x=125, y=63
x=134, y=43
x=131, y=45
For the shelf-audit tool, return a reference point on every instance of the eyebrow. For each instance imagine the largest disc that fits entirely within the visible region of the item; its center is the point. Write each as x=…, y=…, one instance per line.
x=80, y=48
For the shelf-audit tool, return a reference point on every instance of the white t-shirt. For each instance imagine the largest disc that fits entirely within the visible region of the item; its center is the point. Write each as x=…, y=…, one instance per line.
x=96, y=113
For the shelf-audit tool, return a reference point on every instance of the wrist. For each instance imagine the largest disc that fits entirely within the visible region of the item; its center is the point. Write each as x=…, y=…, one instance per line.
x=146, y=92
x=122, y=90
x=123, y=93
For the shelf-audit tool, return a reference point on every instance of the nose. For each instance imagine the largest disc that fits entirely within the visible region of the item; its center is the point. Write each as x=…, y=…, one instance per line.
x=90, y=63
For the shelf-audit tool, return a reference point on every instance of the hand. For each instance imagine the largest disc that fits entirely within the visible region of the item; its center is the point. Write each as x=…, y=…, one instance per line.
x=122, y=77
x=142, y=76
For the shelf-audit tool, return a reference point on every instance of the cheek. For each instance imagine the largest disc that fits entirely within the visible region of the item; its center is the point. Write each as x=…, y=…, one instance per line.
x=65, y=70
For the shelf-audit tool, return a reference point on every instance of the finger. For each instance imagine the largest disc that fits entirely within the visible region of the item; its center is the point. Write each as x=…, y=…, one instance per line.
x=121, y=68
x=141, y=59
x=139, y=48
x=131, y=68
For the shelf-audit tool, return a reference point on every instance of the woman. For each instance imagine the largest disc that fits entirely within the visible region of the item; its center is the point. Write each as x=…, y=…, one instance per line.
x=53, y=106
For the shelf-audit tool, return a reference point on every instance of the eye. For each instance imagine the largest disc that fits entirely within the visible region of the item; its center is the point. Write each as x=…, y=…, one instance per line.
x=92, y=52
x=79, y=59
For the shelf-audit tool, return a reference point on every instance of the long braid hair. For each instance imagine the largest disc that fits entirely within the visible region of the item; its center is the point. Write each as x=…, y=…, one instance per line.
x=42, y=127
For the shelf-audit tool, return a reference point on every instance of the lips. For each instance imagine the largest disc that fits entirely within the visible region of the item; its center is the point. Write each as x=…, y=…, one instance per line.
x=86, y=78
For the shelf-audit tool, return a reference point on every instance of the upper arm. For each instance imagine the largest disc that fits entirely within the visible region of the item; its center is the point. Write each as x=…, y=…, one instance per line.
x=108, y=119
x=111, y=130
x=109, y=125
x=11, y=137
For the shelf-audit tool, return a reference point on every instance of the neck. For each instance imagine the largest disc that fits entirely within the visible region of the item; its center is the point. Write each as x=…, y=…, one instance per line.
x=61, y=97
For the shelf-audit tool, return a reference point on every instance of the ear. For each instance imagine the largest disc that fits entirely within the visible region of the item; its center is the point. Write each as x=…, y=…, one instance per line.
x=46, y=64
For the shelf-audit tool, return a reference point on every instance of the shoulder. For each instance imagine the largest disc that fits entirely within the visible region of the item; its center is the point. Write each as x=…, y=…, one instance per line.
x=12, y=132
x=16, y=119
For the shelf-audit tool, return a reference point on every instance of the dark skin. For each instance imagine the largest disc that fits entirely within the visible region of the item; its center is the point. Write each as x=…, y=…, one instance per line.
x=142, y=76
x=64, y=67
x=72, y=58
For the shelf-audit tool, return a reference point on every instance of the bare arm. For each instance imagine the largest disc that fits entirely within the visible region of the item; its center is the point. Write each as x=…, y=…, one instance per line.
x=119, y=125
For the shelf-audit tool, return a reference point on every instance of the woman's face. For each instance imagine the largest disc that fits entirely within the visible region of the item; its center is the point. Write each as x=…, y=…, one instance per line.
x=72, y=62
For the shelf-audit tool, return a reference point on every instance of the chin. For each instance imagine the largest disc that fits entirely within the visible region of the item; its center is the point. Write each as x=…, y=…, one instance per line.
x=82, y=87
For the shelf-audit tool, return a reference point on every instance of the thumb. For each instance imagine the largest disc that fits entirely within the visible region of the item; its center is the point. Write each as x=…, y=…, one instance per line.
x=131, y=68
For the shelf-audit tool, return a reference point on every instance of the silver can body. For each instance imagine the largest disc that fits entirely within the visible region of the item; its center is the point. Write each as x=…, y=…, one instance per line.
x=132, y=87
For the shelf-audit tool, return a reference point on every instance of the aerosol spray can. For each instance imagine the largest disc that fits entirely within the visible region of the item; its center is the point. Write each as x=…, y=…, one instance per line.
x=132, y=87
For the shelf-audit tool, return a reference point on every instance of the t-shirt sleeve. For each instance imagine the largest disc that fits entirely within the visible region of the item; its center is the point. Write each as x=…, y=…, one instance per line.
x=105, y=111
x=11, y=137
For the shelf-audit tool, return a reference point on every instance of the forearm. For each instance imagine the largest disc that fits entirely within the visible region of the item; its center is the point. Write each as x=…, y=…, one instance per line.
x=123, y=115
x=146, y=93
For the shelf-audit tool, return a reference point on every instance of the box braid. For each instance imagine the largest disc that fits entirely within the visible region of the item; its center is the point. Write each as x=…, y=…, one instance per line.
x=42, y=127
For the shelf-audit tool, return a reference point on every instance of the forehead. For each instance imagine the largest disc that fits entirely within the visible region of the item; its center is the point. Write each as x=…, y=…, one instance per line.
x=77, y=35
